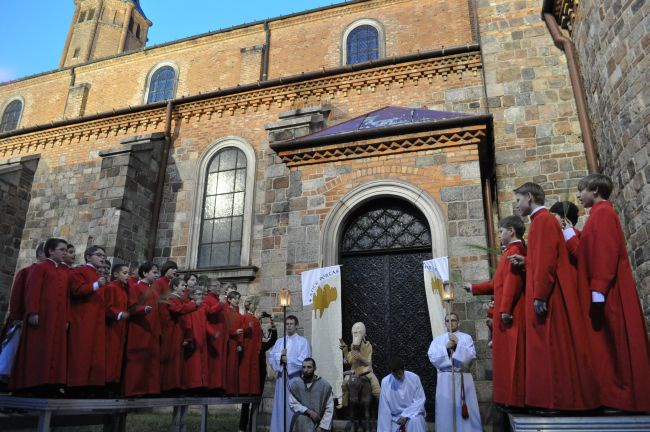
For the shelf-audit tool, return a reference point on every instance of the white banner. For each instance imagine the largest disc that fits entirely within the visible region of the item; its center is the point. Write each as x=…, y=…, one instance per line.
x=321, y=288
x=436, y=271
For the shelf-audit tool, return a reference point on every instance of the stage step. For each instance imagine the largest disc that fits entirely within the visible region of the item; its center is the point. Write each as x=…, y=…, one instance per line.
x=527, y=423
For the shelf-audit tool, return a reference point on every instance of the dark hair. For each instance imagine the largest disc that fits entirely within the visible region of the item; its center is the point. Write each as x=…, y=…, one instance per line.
x=116, y=268
x=292, y=317
x=40, y=248
x=175, y=282
x=233, y=294
x=311, y=360
x=70, y=245
x=396, y=364
x=107, y=263
x=566, y=209
x=539, y=197
x=189, y=275
x=168, y=265
x=230, y=284
x=266, y=315
x=450, y=314
x=52, y=243
x=515, y=223
x=146, y=267
x=597, y=182
x=93, y=250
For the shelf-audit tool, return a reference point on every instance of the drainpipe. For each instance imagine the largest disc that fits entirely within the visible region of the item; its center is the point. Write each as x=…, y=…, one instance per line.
x=160, y=183
x=264, y=73
x=566, y=45
x=489, y=221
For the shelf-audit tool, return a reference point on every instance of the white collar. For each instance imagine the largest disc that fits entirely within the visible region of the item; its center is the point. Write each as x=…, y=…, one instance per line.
x=535, y=211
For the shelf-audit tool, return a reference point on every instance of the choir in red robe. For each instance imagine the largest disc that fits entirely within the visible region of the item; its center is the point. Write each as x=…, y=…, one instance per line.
x=173, y=349
x=235, y=331
x=116, y=300
x=508, y=349
x=217, y=343
x=41, y=359
x=87, y=343
x=195, y=360
x=249, y=369
x=618, y=333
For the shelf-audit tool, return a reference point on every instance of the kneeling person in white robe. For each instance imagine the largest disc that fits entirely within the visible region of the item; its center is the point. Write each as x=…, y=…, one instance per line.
x=460, y=347
x=401, y=401
x=311, y=401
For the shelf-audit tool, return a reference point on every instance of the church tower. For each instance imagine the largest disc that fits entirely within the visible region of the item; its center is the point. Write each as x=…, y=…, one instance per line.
x=102, y=28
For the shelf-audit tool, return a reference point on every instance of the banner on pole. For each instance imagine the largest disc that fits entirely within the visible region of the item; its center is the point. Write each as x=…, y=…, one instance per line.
x=321, y=288
x=436, y=271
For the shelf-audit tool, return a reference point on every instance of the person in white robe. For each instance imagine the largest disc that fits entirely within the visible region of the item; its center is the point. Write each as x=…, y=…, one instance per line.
x=401, y=401
x=460, y=347
x=296, y=351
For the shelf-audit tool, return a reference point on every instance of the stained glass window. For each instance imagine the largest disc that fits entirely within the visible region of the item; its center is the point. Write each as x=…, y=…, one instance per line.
x=362, y=44
x=10, y=116
x=161, y=86
x=223, y=210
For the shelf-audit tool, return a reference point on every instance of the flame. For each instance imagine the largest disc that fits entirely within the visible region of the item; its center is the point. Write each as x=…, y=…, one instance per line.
x=323, y=298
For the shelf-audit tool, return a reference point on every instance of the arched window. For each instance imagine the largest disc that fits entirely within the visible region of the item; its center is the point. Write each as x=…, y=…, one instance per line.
x=222, y=219
x=362, y=44
x=11, y=116
x=161, y=84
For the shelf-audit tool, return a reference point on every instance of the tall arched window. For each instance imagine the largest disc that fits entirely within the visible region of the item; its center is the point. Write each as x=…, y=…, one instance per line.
x=161, y=84
x=362, y=44
x=11, y=116
x=223, y=210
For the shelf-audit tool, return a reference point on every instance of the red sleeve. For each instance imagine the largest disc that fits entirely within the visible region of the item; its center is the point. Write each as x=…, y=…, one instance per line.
x=33, y=288
x=483, y=288
x=513, y=285
x=82, y=280
x=110, y=298
x=572, y=245
x=212, y=307
x=134, y=298
x=180, y=307
x=544, y=247
x=17, y=297
x=602, y=250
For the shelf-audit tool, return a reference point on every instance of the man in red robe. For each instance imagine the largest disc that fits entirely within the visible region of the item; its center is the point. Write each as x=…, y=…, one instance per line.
x=618, y=333
x=142, y=363
x=116, y=299
x=214, y=305
x=509, y=326
x=41, y=365
x=86, y=337
x=558, y=356
x=235, y=329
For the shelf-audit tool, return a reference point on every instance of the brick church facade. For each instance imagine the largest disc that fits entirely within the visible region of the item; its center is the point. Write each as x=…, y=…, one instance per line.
x=247, y=154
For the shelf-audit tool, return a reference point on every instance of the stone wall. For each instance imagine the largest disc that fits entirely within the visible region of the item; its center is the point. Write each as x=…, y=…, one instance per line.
x=16, y=176
x=612, y=40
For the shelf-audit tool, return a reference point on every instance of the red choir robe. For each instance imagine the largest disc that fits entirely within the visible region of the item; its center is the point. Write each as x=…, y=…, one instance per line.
x=217, y=341
x=234, y=320
x=86, y=337
x=17, y=297
x=508, y=340
x=195, y=361
x=172, y=342
x=249, y=368
x=618, y=333
x=116, y=300
x=42, y=355
x=558, y=355
x=142, y=367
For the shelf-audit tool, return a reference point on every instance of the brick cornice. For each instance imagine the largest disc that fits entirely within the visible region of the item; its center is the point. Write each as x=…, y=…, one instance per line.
x=430, y=140
x=239, y=103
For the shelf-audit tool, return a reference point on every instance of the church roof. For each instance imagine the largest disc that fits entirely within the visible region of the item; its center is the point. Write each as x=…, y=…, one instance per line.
x=136, y=4
x=387, y=117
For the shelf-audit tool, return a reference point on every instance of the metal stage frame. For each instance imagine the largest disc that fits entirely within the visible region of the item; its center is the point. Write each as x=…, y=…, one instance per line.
x=112, y=412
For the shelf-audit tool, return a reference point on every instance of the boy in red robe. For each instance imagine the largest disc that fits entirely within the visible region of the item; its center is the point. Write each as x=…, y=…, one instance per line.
x=40, y=367
x=214, y=305
x=618, y=333
x=178, y=305
x=249, y=368
x=142, y=362
x=509, y=325
x=195, y=359
x=235, y=329
x=116, y=300
x=558, y=356
x=86, y=336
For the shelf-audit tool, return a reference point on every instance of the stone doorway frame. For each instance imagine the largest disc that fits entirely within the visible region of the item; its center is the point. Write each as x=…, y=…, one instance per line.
x=337, y=217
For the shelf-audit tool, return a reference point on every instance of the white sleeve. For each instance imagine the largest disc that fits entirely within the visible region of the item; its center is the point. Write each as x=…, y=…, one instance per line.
x=417, y=407
x=568, y=233
x=438, y=354
x=597, y=297
x=326, y=419
x=465, y=352
x=296, y=406
x=274, y=356
x=384, y=416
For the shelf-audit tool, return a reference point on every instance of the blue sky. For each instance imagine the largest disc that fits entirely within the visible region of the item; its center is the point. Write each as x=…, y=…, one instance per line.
x=34, y=31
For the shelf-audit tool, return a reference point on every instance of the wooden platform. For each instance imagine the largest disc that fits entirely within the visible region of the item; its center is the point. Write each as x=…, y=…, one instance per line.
x=614, y=423
x=111, y=412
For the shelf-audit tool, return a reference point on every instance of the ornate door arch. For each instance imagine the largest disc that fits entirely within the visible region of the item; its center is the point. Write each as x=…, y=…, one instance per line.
x=381, y=249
